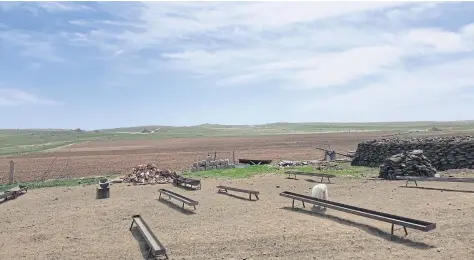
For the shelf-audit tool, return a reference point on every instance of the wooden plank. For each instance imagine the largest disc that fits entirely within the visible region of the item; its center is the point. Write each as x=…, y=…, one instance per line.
x=381, y=216
x=441, y=179
x=237, y=189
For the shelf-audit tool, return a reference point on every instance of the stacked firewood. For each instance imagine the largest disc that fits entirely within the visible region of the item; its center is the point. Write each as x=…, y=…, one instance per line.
x=150, y=174
x=412, y=163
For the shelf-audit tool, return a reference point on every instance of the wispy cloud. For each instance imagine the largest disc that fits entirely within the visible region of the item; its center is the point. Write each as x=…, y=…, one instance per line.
x=16, y=97
x=323, y=52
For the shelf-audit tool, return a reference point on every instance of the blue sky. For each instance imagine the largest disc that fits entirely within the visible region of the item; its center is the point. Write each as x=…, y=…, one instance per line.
x=102, y=64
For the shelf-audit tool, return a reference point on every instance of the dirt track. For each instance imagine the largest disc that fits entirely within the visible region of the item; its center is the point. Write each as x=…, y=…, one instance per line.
x=68, y=223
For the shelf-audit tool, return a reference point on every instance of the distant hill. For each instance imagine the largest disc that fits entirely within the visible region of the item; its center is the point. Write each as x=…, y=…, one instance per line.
x=22, y=141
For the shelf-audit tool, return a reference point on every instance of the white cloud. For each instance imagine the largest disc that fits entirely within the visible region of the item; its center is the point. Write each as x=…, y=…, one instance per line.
x=425, y=94
x=51, y=7
x=16, y=97
x=309, y=47
x=31, y=45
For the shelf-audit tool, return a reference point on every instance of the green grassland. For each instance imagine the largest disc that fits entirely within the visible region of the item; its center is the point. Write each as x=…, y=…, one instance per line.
x=239, y=173
x=22, y=141
x=346, y=171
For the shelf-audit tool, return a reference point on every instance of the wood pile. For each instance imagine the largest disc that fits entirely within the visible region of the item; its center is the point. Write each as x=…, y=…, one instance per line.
x=412, y=163
x=445, y=153
x=150, y=174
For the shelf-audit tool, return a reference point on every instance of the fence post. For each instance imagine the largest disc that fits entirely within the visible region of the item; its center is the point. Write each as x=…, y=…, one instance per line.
x=12, y=171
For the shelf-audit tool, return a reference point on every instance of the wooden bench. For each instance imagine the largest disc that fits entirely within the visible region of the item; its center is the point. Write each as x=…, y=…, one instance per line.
x=153, y=244
x=314, y=174
x=13, y=192
x=381, y=216
x=188, y=182
x=179, y=197
x=250, y=192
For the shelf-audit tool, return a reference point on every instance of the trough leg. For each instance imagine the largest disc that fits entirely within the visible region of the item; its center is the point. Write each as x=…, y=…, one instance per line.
x=166, y=256
x=194, y=207
x=303, y=205
x=391, y=234
x=250, y=196
x=416, y=184
x=149, y=254
x=293, y=204
x=256, y=196
x=159, y=197
x=406, y=184
x=406, y=232
x=133, y=221
x=182, y=208
x=322, y=178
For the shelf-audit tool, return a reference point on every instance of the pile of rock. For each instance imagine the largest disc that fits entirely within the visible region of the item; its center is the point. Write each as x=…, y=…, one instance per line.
x=412, y=163
x=297, y=163
x=318, y=165
x=444, y=152
x=150, y=174
x=209, y=164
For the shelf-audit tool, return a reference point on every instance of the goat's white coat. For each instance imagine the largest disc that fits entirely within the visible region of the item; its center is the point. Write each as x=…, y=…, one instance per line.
x=320, y=191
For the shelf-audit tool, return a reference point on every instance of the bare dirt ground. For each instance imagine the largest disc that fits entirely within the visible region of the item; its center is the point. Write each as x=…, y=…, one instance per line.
x=68, y=223
x=102, y=157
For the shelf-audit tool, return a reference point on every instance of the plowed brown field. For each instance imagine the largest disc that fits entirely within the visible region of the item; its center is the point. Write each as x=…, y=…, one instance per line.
x=102, y=157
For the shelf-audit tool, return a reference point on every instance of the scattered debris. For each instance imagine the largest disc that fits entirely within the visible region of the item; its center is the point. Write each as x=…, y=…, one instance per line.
x=150, y=174
x=412, y=163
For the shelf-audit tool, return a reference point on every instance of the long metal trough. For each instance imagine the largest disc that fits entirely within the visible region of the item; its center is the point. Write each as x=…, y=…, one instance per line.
x=381, y=216
x=442, y=179
x=155, y=246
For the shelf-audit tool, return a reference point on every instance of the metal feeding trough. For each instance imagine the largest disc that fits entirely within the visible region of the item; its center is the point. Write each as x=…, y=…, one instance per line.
x=254, y=161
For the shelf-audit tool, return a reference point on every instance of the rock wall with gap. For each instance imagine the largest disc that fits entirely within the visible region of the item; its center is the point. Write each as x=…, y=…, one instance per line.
x=444, y=153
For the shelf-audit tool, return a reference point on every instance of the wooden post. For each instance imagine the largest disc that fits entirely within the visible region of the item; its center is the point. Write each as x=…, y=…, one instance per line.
x=12, y=171
x=215, y=155
x=233, y=156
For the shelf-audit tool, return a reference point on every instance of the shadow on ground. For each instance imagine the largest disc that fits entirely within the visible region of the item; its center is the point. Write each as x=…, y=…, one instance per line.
x=6, y=200
x=369, y=229
x=237, y=197
x=177, y=207
x=143, y=245
x=437, y=189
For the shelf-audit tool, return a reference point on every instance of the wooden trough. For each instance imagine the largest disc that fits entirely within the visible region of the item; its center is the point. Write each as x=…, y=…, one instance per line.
x=381, y=216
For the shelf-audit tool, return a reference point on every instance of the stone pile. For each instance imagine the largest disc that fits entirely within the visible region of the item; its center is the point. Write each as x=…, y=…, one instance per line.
x=297, y=163
x=444, y=152
x=150, y=174
x=412, y=163
x=209, y=164
x=318, y=165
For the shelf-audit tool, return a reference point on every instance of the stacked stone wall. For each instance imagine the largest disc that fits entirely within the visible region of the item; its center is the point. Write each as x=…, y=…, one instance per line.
x=443, y=152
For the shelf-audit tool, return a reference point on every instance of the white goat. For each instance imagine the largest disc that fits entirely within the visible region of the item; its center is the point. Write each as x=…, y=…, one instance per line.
x=320, y=191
